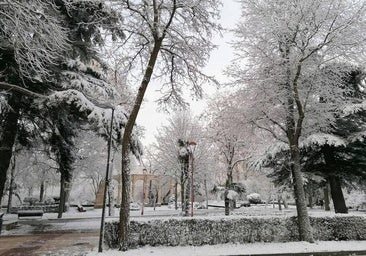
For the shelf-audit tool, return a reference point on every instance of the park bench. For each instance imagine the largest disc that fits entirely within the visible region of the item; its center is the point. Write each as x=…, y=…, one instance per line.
x=30, y=213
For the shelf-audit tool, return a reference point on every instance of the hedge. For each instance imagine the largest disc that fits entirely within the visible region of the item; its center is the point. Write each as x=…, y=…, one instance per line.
x=200, y=231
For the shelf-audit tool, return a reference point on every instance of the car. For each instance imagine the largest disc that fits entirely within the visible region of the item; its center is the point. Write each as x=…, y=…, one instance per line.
x=134, y=206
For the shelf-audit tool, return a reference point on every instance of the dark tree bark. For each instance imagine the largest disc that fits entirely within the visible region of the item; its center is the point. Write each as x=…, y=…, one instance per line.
x=182, y=190
x=9, y=127
x=337, y=194
x=61, y=206
x=176, y=195
x=334, y=181
x=41, y=191
x=279, y=198
x=326, y=197
x=11, y=186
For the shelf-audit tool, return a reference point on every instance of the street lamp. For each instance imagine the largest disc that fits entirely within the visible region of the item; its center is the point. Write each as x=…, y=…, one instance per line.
x=191, y=148
x=106, y=184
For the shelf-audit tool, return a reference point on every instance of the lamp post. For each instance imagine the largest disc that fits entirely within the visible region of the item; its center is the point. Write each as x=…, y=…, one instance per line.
x=192, y=147
x=101, y=234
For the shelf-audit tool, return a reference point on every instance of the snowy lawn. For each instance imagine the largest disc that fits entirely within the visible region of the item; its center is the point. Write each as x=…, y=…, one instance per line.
x=237, y=249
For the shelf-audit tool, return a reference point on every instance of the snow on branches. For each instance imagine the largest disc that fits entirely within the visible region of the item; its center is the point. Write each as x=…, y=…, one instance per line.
x=31, y=31
x=88, y=79
x=98, y=116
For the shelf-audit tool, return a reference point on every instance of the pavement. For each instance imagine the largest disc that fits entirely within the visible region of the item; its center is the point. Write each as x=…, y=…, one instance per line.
x=49, y=244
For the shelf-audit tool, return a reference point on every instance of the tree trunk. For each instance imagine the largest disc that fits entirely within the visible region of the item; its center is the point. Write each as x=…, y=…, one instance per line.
x=124, y=216
x=111, y=189
x=337, y=194
x=41, y=192
x=326, y=197
x=182, y=190
x=126, y=141
x=9, y=127
x=186, y=192
x=11, y=186
x=176, y=195
x=285, y=205
x=305, y=233
x=206, y=193
x=310, y=197
x=279, y=203
x=61, y=206
x=334, y=181
x=228, y=186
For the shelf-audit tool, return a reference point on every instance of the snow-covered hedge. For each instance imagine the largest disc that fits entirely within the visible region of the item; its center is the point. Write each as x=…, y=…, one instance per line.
x=200, y=231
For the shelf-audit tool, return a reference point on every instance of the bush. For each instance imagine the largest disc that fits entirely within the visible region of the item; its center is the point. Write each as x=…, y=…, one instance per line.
x=219, y=230
x=254, y=198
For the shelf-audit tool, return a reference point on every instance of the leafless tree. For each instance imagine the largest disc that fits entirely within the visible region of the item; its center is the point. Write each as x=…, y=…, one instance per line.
x=282, y=47
x=172, y=40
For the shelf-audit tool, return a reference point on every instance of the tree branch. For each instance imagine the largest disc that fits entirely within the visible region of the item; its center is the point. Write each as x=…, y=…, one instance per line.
x=21, y=90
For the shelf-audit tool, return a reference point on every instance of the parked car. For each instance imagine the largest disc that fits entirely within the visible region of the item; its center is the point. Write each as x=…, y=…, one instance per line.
x=134, y=206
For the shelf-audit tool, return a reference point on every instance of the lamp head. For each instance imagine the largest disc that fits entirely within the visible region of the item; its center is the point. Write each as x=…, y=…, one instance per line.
x=192, y=146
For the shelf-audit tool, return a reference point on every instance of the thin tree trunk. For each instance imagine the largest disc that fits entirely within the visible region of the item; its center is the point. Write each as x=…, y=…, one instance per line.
x=326, y=198
x=182, y=190
x=337, y=194
x=285, y=205
x=11, y=186
x=61, y=205
x=206, y=193
x=228, y=184
x=7, y=138
x=41, y=191
x=186, y=192
x=279, y=203
x=310, y=197
x=176, y=195
x=126, y=140
x=111, y=189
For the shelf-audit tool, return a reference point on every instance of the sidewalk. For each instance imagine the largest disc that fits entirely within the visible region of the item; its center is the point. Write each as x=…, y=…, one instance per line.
x=321, y=248
x=63, y=244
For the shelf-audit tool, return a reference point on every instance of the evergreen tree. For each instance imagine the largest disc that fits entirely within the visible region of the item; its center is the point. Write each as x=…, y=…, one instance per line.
x=336, y=152
x=74, y=83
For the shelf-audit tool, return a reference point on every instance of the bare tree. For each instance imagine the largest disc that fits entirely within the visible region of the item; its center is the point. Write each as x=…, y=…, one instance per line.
x=231, y=135
x=186, y=128
x=171, y=39
x=282, y=47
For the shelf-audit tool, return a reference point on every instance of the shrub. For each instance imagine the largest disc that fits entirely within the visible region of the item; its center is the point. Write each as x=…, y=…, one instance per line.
x=218, y=230
x=254, y=198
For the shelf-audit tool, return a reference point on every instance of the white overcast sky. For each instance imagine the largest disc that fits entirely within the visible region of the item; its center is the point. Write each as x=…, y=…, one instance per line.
x=150, y=118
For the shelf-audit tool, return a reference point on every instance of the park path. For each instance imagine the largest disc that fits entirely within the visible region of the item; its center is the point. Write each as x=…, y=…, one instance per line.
x=76, y=244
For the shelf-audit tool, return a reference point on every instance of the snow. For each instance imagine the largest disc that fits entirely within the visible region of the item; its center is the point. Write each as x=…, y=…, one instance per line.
x=90, y=220
x=354, y=108
x=237, y=249
x=321, y=139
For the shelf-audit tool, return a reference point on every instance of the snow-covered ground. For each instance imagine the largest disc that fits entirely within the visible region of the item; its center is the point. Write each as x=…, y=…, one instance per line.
x=237, y=249
x=90, y=220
